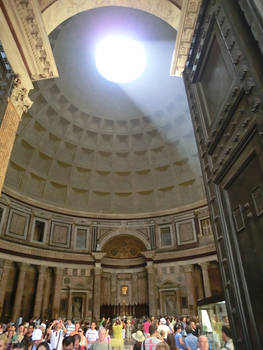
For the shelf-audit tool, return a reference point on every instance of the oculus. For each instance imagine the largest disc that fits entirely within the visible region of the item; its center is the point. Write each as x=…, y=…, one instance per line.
x=120, y=59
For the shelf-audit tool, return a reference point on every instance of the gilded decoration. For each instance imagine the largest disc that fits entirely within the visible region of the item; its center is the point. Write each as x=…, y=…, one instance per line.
x=123, y=247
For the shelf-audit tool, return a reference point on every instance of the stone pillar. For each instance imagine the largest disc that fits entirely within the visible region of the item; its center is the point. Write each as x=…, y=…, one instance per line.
x=17, y=104
x=69, y=311
x=189, y=284
x=134, y=288
x=57, y=290
x=97, y=291
x=39, y=291
x=46, y=300
x=207, y=286
x=19, y=291
x=113, y=289
x=3, y=283
x=151, y=289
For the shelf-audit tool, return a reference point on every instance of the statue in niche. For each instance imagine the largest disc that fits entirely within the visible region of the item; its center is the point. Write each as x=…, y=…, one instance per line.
x=77, y=307
x=170, y=305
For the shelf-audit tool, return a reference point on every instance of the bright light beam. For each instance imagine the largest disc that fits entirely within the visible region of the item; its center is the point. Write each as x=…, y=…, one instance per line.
x=120, y=59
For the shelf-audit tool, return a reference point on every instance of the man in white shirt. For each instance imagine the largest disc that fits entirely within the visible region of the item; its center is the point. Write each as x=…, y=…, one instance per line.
x=56, y=334
x=163, y=327
x=92, y=334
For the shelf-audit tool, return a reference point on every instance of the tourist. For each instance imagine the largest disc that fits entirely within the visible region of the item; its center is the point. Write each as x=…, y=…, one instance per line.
x=178, y=336
x=75, y=329
x=70, y=327
x=3, y=342
x=139, y=338
x=227, y=337
x=92, y=334
x=19, y=346
x=171, y=341
x=163, y=326
x=128, y=330
x=202, y=343
x=83, y=340
x=151, y=342
x=162, y=346
x=76, y=341
x=146, y=326
x=190, y=340
x=37, y=338
x=56, y=332
x=101, y=342
x=44, y=346
x=68, y=343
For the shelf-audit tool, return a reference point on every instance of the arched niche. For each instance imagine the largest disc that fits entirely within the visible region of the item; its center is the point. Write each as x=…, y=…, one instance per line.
x=123, y=247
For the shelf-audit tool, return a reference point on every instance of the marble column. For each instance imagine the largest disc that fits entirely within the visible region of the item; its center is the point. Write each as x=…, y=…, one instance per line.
x=69, y=311
x=207, y=286
x=113, y=288
x=3, y=283
x=97, y=291
x=189, y=284
x=19, y=291
x=39, y=291
x=46, y=295
x=134, y=288
x=56, y=293
x=151, y=288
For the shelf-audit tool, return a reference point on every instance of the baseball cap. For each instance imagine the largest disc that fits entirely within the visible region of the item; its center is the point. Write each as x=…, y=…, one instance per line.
x=37, y=334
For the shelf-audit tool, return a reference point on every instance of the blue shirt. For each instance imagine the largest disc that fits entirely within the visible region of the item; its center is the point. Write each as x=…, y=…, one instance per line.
x=177, y=336
x=191, y=341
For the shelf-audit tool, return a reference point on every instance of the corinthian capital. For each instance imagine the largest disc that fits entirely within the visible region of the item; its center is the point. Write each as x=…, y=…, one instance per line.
x=19, y=97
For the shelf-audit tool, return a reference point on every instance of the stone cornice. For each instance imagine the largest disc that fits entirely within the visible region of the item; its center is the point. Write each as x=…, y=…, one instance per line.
x=185, y=33
x=19, y=97
x=31, y=37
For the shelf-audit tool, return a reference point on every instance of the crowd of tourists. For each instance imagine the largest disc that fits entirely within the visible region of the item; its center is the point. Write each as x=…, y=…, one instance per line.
x=134, y=334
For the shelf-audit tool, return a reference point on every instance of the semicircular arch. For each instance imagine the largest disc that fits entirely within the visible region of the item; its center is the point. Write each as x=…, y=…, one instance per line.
x=113, y=234
x=61, y=10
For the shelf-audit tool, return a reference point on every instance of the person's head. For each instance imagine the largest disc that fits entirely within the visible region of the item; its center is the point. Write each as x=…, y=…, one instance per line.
x=162, y=346
x=162, y=334
x=76, y=341
x=80, y=331
x=102, y=334
x=37, y=336
x=77, y=326
x=188, y=329
x=68, y=343
x=18, y=346
x=10, y=332
x=171, y=341
x=138, y=336
x=226, y=333
x=192, y=325
x=21, y=329
x=93, y=325
x=117, y=322
x=30, y=329
x=152, y=329
x=177, y=327
x=3, y=342
x=69, y=322
x=203, y=342
x=162, y=321
x=43, y=346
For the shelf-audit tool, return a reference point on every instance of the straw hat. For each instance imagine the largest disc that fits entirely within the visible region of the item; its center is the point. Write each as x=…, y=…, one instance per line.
x=138, y=336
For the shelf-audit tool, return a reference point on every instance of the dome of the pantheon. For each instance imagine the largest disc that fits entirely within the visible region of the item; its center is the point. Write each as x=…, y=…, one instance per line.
x=94, y=146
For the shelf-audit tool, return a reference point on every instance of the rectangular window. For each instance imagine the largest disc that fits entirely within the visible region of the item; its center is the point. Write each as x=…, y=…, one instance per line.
x=166, y=237
x=81, y=239
x=1, y=214
x=184, y=303
x=39, y=231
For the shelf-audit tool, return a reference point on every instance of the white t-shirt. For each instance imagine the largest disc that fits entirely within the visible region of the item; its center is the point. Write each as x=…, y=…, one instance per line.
x=165, y=328
x=92, y=335
x=56, y=338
